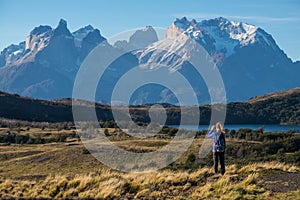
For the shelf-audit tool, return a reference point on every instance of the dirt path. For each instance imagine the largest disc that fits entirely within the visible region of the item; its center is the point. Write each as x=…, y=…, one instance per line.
x=283, y=182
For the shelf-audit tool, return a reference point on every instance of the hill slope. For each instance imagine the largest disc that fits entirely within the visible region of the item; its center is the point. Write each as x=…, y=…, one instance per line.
x=24, y=108
x=275, y=108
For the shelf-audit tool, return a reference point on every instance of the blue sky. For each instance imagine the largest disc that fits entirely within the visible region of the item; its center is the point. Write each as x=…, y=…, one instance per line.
x=280, y=18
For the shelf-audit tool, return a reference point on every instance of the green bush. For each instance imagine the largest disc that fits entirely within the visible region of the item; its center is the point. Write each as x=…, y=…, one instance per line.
x=85, y=151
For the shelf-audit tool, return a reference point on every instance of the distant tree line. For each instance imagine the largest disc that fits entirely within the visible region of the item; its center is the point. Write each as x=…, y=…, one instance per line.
x=11, y=123
x=13, y=138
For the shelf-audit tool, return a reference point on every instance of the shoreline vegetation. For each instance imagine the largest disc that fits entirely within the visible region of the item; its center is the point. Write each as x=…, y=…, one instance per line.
x=265, y=146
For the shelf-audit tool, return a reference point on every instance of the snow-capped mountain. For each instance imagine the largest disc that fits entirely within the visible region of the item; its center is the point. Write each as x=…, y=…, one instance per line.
x=44, y=66
x=222, y=35
x=86, y=39
x=248, y=58
x=11, y=53
x=81, y=33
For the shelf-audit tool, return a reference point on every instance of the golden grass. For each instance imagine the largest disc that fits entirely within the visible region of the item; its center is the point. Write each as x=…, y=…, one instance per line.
x=106, y=183
x=268, y=166
x=61, y=170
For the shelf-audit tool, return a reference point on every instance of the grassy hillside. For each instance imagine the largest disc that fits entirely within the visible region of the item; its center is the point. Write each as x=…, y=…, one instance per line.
x=279, y=107
x=274, y=95
x=275, y=108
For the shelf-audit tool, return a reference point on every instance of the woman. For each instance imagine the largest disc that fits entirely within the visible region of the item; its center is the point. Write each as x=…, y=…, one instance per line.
x=217, y=132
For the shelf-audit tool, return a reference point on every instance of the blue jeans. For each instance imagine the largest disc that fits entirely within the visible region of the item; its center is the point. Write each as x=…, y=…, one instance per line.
x=219, y=156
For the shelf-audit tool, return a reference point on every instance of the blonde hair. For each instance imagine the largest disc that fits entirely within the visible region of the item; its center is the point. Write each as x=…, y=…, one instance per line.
x=220, y=127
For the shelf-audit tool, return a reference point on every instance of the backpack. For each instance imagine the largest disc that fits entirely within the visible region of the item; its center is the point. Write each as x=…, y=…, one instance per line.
x=220, y=144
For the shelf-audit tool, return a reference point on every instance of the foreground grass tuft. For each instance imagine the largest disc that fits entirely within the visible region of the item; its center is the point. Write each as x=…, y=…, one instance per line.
x=244, y=183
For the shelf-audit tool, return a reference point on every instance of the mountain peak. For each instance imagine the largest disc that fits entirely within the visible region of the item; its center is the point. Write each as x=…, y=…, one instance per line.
x=84, y=29
x=226, y=24
x=94, y=36
x=62, y=29
x=40, y=30
x=143, y=37
x=62, y=22
x=223, y=35
x=87, y=31
x=148, y=28
x=221, y=19
x=139, y=39
x=146, y=33
x=182, y=20
x=89, y=27
x=182, y=23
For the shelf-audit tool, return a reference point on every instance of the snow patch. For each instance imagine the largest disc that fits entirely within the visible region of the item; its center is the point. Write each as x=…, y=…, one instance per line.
x=222, y=44
x=17, y=52
x=81, y=33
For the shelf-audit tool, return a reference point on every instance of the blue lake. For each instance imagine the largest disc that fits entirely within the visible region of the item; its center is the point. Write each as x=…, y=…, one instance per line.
x=267, y=128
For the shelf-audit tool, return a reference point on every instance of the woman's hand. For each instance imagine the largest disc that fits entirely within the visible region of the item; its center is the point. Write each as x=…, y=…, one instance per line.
x=213, y=127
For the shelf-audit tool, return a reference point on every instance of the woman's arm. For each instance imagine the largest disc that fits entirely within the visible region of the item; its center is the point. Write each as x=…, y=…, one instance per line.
x=211, y=132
